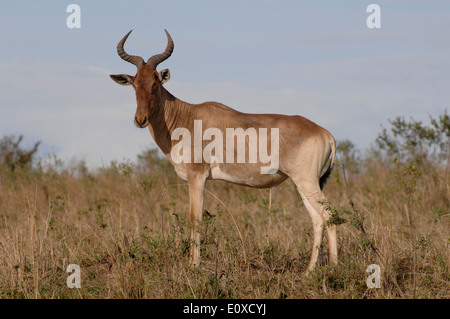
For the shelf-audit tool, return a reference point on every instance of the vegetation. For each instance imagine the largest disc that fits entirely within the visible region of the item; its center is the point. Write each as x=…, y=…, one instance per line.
x=127, y=228
x=12, y=155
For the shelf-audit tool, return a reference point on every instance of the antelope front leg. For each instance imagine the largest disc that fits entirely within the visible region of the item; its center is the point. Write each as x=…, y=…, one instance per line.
x=196, y=196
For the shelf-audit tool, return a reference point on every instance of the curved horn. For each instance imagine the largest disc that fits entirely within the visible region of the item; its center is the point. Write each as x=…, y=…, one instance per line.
x=158, y=58
x=136, y=60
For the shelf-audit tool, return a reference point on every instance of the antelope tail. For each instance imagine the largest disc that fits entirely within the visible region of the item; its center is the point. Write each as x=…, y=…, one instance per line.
x=325, y=174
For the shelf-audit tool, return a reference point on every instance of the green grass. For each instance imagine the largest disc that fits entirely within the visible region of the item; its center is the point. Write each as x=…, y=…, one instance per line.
x=127, y=227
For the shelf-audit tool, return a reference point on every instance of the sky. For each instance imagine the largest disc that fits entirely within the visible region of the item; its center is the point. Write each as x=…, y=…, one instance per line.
x=317, y=59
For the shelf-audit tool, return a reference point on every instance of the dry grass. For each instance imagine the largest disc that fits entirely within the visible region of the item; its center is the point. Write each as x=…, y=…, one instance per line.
x=126, y=227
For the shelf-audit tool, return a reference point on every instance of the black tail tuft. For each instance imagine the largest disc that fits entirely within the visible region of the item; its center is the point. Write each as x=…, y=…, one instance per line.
x=324, y=178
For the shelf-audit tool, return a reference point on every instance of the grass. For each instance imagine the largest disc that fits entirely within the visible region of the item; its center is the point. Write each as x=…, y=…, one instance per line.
x=127, y=228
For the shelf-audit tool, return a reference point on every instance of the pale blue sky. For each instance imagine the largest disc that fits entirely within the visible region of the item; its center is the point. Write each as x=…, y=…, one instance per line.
x=313, y=58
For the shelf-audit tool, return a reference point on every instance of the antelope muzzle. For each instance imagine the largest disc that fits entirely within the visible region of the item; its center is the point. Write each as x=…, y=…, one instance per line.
x=141, y=121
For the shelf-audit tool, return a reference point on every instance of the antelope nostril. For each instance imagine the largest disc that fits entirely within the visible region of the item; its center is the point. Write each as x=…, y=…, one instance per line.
x=141, y=124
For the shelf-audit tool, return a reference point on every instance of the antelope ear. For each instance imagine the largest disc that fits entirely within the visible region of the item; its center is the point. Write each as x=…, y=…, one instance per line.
x=122, y=79
x=164, y=75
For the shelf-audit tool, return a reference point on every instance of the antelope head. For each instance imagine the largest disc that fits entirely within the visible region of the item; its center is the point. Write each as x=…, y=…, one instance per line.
x=147, y=81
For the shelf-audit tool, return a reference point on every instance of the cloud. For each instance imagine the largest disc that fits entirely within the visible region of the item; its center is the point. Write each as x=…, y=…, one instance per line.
x=99, y=70
x=77, y=111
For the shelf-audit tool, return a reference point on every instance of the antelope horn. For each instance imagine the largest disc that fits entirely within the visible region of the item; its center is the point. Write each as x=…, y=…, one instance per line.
x=136, y=60
x=158, y=58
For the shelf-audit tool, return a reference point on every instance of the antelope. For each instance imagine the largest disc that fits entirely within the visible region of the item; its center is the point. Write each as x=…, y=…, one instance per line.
x=304, y=147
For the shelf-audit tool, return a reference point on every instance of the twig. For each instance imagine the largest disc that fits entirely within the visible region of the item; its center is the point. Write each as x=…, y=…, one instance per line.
x=373, y=247
x=189, y=283
x=220, y=201
x=234, y=221
x=425, y=274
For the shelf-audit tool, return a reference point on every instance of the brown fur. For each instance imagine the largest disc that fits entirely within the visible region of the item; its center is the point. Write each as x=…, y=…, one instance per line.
x=304, y=151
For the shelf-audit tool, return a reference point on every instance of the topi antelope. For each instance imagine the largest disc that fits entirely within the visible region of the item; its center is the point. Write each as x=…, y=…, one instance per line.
x=303, y=148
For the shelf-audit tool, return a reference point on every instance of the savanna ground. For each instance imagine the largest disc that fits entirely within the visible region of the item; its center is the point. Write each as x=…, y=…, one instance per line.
x=126, y=226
